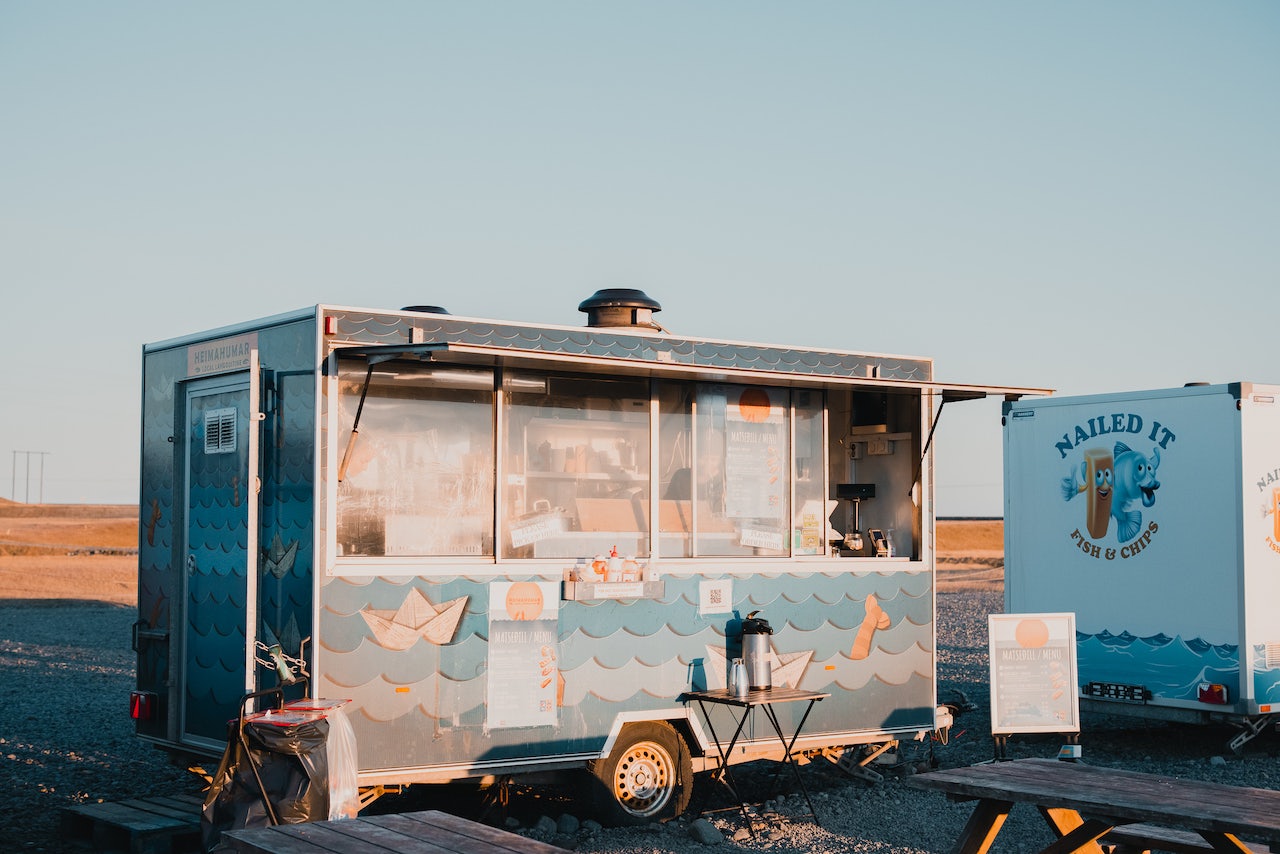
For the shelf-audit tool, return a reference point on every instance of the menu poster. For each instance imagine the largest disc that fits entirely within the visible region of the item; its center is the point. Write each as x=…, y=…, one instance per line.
x=1033, y=673
x=755, y=454
x=523, y=673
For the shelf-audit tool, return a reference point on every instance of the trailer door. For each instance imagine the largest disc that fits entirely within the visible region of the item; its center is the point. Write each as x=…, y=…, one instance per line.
x=220, y=587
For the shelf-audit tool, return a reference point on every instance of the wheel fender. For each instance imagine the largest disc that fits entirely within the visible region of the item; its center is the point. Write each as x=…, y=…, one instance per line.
x=683, y=719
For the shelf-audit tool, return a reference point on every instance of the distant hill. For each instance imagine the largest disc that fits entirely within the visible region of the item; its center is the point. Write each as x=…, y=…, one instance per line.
x=16, y=509
x=50, y=529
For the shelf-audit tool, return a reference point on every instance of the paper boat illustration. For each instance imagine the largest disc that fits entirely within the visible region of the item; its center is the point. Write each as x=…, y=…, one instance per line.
x=415, y=619
x=289, y=638
x=789, y=667
x=280, y=559
x=786, y=670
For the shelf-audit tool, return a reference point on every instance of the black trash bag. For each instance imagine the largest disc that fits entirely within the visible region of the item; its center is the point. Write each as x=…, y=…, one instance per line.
x=290, y=765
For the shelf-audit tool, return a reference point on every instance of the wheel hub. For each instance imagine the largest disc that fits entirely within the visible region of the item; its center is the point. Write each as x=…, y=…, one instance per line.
x=643, y=785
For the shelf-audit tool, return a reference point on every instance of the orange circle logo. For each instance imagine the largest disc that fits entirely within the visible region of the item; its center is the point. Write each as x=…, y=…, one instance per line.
x=753, y=405
x=1031, y=634
x=524, y=601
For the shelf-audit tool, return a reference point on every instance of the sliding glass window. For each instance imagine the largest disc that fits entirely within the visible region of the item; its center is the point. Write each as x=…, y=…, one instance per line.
x=416, y=470
x=741, y=471
x=577, y=466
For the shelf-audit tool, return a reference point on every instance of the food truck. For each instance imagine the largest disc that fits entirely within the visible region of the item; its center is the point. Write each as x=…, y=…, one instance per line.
x=514, y=548
x=1152, y=515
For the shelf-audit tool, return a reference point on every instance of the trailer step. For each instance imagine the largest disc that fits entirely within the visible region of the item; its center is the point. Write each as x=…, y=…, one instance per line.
x=167, y=824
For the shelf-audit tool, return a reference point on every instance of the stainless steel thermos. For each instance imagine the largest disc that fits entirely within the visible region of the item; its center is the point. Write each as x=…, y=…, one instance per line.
x=738, y=678
x=757, y=651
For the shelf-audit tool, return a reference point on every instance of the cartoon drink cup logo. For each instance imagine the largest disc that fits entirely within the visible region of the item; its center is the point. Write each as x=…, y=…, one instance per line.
x=1098, y=484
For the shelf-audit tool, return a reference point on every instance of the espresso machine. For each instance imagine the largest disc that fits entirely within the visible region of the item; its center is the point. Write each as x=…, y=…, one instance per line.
x=854, y=493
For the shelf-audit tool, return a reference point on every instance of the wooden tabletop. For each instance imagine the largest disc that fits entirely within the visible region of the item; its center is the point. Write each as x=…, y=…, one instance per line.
x=428, y=832
x=1120, y=796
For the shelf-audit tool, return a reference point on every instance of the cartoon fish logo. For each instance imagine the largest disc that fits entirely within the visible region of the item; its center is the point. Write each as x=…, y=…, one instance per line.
x=1135, y=481
x=1114, y=479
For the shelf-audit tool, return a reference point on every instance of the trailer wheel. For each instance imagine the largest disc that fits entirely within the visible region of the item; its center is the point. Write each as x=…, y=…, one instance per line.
x=648, y=776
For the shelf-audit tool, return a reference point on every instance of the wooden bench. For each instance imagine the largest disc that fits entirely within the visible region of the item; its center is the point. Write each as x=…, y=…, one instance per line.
x=155, y=825
x=428, y=832
x=1135, y=838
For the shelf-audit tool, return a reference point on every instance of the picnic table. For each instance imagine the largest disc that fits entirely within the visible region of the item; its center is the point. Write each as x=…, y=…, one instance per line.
x=1087, y=804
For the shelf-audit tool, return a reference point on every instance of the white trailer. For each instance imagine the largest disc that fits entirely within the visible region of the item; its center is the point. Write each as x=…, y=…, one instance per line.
x=1152, y=515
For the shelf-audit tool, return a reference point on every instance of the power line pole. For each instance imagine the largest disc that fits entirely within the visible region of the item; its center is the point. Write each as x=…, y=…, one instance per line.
x=14, y=487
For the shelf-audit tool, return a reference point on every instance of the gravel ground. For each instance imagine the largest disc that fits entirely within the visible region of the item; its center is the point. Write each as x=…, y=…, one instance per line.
x=66, y=738
x=65, y=733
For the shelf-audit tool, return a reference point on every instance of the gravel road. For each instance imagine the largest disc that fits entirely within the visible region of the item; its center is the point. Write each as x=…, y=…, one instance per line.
x=66, y=738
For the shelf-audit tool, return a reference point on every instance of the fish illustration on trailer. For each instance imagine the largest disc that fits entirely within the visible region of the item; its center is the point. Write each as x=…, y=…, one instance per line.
x=1113, y=480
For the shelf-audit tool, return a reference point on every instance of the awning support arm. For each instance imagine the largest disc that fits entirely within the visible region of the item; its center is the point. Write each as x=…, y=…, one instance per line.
x=948, y=395
x=924, y=452
x=355, y=425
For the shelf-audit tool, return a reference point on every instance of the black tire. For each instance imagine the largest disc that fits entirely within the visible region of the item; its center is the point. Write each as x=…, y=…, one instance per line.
x=648, y=776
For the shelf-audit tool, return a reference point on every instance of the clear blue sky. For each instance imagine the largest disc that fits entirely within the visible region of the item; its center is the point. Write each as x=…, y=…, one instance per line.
x=1076, y=195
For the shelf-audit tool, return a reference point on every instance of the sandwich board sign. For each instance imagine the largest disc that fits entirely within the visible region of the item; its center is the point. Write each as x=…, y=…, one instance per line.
x=1033, y=673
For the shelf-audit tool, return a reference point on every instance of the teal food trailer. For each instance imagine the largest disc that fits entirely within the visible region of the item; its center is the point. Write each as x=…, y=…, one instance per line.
x=514, y=547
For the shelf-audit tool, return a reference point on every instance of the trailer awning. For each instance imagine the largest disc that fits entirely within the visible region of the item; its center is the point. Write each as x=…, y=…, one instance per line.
x=793, y=371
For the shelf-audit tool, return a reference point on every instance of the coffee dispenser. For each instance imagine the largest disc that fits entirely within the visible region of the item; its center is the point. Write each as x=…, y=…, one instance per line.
x=757, y=651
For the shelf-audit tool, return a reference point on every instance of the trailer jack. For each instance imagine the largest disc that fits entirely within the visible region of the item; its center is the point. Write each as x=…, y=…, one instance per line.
x=1251, y=728
x=854, y=761
x=369, y=794
x=203, y=773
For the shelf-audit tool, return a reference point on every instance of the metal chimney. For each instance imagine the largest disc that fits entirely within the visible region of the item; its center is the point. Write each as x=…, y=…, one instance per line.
x=621, y=307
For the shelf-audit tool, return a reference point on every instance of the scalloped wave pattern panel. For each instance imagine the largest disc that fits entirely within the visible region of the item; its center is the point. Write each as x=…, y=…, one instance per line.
x=641, y=348
x=641, y=654
x=822, y=618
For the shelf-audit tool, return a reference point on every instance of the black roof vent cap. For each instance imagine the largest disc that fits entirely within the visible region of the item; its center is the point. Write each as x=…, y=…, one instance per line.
x=426, y=309
x=621, y=307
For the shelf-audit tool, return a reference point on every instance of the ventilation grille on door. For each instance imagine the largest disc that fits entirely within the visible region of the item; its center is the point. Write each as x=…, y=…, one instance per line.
x=220, y=431
x=1273, y=654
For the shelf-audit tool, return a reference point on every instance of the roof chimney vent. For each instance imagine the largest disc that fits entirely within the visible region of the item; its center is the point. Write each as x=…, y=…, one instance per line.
x=621, y=307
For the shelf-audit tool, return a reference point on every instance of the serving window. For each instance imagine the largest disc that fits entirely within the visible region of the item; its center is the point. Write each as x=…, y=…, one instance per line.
x=731, y=470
